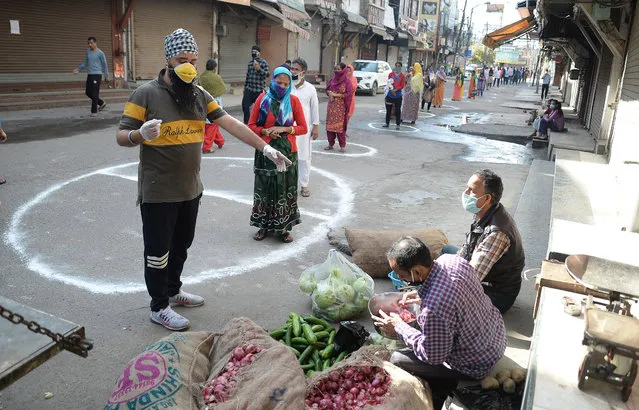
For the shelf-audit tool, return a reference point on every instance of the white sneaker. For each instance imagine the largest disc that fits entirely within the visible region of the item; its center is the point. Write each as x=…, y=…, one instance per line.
x=170, y=319
x=187, y=299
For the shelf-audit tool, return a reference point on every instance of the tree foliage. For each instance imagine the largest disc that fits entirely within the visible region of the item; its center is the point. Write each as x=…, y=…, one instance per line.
x=482, y=55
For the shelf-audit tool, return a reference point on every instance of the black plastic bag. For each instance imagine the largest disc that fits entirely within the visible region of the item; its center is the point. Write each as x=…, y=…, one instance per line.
x=350, y=336
x=476, y=398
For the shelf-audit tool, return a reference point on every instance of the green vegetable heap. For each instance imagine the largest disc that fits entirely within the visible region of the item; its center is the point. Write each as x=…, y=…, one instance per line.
x=311, y=339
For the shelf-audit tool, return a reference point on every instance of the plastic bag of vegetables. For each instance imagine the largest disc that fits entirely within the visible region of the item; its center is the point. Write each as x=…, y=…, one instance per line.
x=339, y=289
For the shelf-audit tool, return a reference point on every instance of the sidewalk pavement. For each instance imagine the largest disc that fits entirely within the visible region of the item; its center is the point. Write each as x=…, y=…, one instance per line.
x=513, y=122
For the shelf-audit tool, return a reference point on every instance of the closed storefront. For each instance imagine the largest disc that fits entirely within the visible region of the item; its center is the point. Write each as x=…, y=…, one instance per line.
x=601, y=92
x=240, y=28
x=625, y=142
x=311, y=49
x=51, y=37
x=155, y=19
x=273, y=40
x=393, y=55
x=369, y=50
x=382, y=51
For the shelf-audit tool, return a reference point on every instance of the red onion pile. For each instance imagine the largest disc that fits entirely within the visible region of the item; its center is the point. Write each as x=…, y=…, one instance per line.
x=219, y=389
x=350, y=388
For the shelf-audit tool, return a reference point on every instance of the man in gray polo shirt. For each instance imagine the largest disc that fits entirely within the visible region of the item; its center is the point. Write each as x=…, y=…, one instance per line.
x=166, y=118
x=96, y=64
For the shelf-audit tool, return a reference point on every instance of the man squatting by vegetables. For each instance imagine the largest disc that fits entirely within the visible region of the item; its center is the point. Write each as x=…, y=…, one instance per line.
x=463, y=334
x=166, y=118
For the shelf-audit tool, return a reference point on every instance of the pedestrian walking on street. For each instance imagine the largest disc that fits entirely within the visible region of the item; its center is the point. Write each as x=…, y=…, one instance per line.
x=214, y=85
x=3, y=138
x=255, y=83
x=307, y=94
x=166, y=118
x=277, y=118
x=96, y=64
x=545, y=85
x=429, y=86
x=394, y=97
x=413, y=90
x=339, y=91
x=438, y=95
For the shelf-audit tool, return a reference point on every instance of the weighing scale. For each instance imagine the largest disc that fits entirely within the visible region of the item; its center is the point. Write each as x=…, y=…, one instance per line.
x=611, y=335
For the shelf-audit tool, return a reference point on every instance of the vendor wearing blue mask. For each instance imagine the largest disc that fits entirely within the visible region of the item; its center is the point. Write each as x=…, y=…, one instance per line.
x=493, y=246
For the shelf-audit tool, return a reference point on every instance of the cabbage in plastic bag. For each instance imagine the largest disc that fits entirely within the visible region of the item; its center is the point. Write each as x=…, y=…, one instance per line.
x=339, y=289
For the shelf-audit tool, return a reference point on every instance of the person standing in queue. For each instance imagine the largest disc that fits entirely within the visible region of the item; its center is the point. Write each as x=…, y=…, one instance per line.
x=394, y=97
x=339, y=91
x=255, y=83
x=165, y=118
x=307, y=94
x=214, y=85
x=277, y=118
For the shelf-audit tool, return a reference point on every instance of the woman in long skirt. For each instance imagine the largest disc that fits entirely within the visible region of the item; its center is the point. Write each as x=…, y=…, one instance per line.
x=339, y=91
x=350, y=70
x=440, y=79
x=481, y=84
x=459, y=87
x=412, y=92
x=472, y=86
x=277, y=117
x=427, y=96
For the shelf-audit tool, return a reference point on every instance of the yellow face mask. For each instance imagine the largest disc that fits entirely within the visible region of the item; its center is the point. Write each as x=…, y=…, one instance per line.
x=186, y=72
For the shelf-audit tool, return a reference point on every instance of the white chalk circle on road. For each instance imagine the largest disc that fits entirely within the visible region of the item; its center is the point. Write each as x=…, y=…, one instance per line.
x=370, y=151
x=379, y=126
x=16, y=238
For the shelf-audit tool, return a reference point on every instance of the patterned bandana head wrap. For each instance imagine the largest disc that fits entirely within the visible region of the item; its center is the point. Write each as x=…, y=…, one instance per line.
x=278, y=101
x=180, y=41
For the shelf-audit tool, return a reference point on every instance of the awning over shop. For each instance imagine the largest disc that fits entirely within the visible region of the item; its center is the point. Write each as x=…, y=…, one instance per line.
x=293, y=13
x=356, y=18
x=275, y=15
x=380, y=31
x=509, y=32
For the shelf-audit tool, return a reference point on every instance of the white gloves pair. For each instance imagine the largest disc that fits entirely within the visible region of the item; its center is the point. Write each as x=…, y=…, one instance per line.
x=150, y=130
x=281, y=162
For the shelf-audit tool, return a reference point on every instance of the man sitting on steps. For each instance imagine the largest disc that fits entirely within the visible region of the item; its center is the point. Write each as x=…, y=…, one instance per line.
x=493, y=246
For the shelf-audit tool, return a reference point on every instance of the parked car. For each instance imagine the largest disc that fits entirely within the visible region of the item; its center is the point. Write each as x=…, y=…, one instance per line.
x=371, y=75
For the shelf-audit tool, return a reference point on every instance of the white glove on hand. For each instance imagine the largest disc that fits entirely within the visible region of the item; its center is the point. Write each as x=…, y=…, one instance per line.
x=150, y=130
x=277, y=157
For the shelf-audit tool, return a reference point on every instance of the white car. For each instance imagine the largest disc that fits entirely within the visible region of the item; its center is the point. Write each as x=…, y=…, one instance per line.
x=371, y=75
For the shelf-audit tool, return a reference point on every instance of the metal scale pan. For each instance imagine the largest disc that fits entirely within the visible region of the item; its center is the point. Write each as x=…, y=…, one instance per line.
x=603, y=275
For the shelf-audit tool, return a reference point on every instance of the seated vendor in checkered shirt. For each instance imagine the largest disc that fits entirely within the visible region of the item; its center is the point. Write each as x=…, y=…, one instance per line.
x=462, y=334
x=493, y=246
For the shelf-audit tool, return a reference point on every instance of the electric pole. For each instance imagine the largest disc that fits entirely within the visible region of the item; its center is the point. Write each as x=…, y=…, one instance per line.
x=461, y=29
x=338, y=31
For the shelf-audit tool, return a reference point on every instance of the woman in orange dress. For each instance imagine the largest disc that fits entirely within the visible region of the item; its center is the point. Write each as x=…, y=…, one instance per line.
x=459, y=87
x=350, y=69
x=440, y=79
x=473, y=85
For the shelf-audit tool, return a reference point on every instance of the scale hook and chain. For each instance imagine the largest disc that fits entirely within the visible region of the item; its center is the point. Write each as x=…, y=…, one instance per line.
x=73, y=343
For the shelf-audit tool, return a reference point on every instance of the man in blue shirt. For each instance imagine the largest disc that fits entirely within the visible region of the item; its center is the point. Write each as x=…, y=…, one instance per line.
x=96, y=64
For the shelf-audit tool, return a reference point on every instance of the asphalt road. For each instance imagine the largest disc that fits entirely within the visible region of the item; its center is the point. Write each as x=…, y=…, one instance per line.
x=73, y=244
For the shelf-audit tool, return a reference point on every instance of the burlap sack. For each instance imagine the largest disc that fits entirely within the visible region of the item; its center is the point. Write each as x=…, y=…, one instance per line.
x=274, y=380
x=168, y=374
x=369, y=247
x=405, y=392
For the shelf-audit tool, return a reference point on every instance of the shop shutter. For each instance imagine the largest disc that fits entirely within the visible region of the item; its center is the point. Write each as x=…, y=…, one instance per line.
x=601, y=92
x=311, y=49
x=369, y=51
x=235, y=48
x=53, y=35
x=382, y=50
x=625, y=144
x=393, y=55
x=155, y=19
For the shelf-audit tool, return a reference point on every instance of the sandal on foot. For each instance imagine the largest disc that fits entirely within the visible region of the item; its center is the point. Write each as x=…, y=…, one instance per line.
x=342, y=150
x=328, y=148
x=260, y=235
x=305, y=192
x=287, y=237
x=3, y=181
